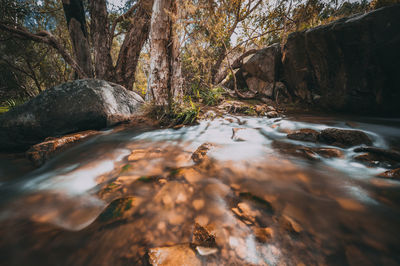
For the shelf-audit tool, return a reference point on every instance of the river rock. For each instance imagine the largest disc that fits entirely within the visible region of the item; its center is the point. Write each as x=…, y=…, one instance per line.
x=200, y=154
x=391, y=174
x=328, y=152
x=304, y=134
x=40, y=153
x=70, y=107
x=272, y=114
x=343, y=138
x=390, y=155
x=175, y=255
x=202, y=237
x=373, y=156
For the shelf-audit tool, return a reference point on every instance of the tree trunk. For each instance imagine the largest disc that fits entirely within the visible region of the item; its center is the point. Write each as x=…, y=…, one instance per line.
x=175, y=60
x=75, y=16
x=160, y=53
x=100, y=35
x=134, y=40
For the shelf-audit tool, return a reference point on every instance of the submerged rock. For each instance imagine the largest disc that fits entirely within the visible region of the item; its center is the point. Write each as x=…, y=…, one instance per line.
x=202, y=237
x=304, y=134
x=70, y=107
x=175, y=255
x=201, y=153
x=343, y=138
x=388, y=154
x=42, y=152
x=310, y=153
x=373, y=156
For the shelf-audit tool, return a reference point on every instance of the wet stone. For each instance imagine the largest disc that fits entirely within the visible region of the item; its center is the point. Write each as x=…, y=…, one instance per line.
x=201, y=153
x=42, y=152
x=172, y=256
x=118, y=209
x=328, y=152
x=376, y=156
x=205, y=251
x=289, y=225
x=272, y=114
x=263, y=235
x=304, y=134
x=343, y=138
x=202, y=237
x=391, y=174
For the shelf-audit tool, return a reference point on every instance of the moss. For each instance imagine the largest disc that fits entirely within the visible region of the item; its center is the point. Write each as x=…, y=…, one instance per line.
x=146, y=179
x=125, y=168
x=116, y=209
x=110, y=187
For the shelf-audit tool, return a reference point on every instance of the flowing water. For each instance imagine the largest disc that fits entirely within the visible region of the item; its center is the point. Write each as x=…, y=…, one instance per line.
x=250, y=197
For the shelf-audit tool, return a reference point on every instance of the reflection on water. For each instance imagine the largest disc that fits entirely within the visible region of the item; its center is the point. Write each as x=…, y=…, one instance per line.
x=248, y=196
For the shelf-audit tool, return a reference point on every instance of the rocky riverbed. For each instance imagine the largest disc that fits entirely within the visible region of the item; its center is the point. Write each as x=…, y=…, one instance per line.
x=232, y=190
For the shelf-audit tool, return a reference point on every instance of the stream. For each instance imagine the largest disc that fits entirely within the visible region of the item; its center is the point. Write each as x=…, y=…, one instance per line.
x=248, y=196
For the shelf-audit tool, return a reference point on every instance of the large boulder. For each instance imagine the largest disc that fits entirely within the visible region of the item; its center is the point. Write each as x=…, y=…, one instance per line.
x=261, y=71
x=352, y=64
x=70, y=107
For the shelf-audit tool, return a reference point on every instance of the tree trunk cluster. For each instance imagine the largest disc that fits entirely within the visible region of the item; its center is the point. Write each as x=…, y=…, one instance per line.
x=101, y=39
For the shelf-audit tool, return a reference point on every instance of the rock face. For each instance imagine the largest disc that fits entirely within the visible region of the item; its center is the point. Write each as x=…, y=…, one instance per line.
x=350, y=64
x=70, y=107
x=262, y=72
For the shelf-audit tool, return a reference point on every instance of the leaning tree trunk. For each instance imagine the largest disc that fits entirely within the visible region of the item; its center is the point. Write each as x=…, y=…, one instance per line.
x=134, y=40
x=160, y=36
x=101, y=42
x=75, y=16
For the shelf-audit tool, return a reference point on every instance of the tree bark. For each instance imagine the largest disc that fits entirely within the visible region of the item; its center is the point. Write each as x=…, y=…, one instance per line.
x=101, y=41
x=175, y=60
x=75, y=16
x=160, y=36
x=133, y=43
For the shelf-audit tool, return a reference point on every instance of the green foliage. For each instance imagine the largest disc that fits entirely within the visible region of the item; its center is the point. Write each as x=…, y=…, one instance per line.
x=210, y=97
x=375, y=4
x=184, y=113
x=27, y=67
x=3, y=109
x=12, y=103
x=250, y=111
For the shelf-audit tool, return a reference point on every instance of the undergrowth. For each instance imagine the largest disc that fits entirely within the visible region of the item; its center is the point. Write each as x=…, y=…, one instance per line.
x=184, y=113
x=211, y=96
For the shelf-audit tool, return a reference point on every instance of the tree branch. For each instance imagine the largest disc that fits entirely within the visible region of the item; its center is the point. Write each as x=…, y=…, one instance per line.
x=122, y=18
x=47, y=38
